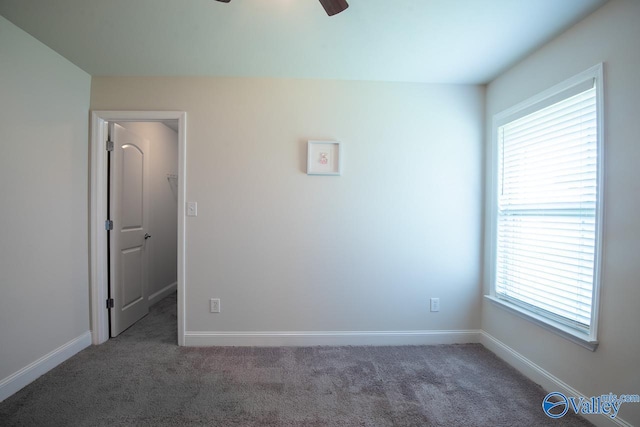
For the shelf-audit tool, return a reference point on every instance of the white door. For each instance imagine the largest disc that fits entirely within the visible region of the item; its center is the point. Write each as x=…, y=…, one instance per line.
x=128, y=209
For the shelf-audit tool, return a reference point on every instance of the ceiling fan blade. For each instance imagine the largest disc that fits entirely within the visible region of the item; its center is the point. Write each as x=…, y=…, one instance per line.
x=333, y=7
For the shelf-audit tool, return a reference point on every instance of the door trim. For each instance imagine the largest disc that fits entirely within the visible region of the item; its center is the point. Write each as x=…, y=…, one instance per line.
x=98, y=215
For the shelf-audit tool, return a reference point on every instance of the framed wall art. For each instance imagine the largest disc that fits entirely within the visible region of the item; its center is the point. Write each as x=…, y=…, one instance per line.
x=324, y=158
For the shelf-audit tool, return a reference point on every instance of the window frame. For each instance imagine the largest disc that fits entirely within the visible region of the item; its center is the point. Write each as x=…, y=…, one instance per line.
x=549, y=97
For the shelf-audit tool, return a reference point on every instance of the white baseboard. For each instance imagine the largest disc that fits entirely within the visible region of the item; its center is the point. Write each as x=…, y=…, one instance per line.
x=547, y=381
x=306, y=338
x=157, y=296
x=32, y=371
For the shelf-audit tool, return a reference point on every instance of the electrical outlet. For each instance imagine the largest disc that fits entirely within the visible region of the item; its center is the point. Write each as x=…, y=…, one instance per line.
x=435, y=304
x=215, y=305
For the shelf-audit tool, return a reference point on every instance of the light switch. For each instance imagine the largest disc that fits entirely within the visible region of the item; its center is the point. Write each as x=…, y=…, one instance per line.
x=192, y=209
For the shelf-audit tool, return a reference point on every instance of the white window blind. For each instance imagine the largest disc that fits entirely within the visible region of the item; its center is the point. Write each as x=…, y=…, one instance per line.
x=547, y=208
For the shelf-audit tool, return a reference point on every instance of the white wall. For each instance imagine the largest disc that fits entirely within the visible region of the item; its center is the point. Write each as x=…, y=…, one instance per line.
x=163, y=206
x=44, y=102
x=610, y=35
x=289, y=252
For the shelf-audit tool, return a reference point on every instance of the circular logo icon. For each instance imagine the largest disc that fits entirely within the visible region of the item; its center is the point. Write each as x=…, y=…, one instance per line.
x=555, y=405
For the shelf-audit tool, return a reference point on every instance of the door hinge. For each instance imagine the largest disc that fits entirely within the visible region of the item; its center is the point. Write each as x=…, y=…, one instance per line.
x=109, y=303
x=109, y=145
x=108, y=225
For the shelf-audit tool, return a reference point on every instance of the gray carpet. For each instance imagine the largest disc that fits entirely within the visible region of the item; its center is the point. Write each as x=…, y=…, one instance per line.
x=143, y=378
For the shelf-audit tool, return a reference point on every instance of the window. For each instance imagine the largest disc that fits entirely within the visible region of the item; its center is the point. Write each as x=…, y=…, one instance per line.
x=548, y=205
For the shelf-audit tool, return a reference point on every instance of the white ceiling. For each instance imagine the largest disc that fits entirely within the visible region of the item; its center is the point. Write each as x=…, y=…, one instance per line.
x=439, y=41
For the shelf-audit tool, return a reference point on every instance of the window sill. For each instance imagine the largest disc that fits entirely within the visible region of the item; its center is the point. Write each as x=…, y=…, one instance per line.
x=548, y=324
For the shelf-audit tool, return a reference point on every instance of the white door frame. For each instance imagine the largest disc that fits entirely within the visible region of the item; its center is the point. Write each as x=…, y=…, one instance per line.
x=98, y=235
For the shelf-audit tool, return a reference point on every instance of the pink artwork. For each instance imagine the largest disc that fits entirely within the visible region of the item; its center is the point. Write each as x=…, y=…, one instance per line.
x=323, y=157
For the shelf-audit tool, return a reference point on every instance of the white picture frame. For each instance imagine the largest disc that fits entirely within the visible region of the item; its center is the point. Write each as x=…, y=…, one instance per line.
x=324, y=158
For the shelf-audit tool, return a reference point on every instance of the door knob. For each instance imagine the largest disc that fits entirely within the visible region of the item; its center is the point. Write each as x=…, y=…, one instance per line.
x=146, y=236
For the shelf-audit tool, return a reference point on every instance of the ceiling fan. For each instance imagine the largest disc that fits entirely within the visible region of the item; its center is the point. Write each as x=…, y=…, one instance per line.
x=332, y=7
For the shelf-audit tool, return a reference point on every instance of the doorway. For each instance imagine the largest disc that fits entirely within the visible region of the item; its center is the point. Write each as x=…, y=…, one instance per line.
x=143, y=210
x=99, y=207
